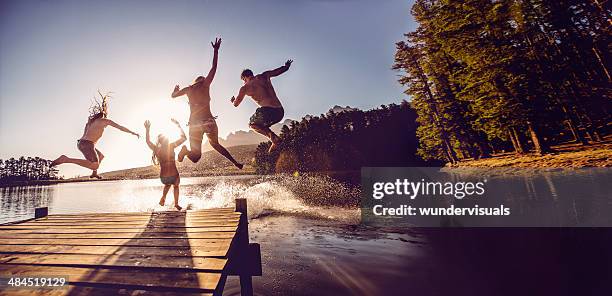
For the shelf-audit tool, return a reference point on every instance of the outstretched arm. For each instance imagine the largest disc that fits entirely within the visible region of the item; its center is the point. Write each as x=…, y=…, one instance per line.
x=183, y=137
x=213, y=69
x=237, y=100
x=279, y=70
x=121, y=128
x=147, y=125
x=179, y=92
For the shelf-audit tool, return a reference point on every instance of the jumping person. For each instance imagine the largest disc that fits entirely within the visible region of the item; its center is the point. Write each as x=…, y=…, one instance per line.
x=201, y=120
x=94, y=128
x=270, y=110
x=163, y=154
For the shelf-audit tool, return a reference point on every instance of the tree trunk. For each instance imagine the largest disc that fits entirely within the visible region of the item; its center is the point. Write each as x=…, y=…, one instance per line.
x=516, y=143
x=539, y=144
x=573, y=125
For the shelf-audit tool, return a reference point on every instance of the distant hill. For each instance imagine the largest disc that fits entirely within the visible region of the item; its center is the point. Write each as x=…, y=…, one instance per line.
x=239, y=138
x=250, y=137
x=211, y=164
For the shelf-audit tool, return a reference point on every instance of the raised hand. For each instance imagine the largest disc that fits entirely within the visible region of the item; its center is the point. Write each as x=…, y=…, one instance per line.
x=147, y=124
x=288, y=63
x=216, y=44
x=233, y=99
x=176, y=88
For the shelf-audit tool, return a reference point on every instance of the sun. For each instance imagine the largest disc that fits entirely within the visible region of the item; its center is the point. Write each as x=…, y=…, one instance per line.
x=160, y=112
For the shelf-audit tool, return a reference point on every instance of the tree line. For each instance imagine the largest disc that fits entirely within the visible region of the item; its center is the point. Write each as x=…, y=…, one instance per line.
x=488, y=76
x=346, y=140
x=26, y=169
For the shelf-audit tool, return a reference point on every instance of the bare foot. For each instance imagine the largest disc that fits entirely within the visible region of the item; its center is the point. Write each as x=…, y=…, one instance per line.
x=275, y=141
x=182, y=153
x=272, y=147
x=100, y=156
x=94, y=174
x=162, y=202
x=178, y=207
x=59, y=160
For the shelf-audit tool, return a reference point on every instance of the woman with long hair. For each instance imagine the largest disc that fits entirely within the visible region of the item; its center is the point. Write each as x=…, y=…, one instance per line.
x=94, y=128
x=163, y=155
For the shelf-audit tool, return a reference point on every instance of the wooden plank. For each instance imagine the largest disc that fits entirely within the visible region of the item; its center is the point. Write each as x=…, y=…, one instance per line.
x=187, y=213
x=118, y=226
x=120, y=230
x=220, y=250
x=208, y=235
x=134, y=278
x=135, y=242
x=137, y=223
x=110, y=261
x=140, y=218
x=128, y=219
x=93, y=291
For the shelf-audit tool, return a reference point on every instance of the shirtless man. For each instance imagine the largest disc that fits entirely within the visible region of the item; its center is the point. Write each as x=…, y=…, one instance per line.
x=270, y=110
x=94, y=129
x=201, y=120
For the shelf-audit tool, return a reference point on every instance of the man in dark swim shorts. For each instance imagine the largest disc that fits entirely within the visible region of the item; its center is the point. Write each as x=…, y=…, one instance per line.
x=271, y=110
x=267, y=116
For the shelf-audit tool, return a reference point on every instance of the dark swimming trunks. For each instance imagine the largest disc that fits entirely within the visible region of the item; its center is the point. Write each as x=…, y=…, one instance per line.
x=169, y=180
x=267, y=116
x=88, y=149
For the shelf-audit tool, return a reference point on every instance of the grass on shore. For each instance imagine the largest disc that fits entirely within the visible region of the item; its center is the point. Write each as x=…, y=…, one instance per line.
x=567, y=155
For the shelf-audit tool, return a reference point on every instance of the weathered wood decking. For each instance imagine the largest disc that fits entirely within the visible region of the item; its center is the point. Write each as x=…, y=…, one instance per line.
x=161, y=252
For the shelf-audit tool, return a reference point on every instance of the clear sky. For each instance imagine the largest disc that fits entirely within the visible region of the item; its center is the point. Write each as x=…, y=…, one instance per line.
x=54, y=55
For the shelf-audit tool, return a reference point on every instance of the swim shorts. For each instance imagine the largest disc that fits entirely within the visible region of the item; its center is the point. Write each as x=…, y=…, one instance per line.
x=267, y=116
x=169, y=180
x=88, y=149
x=207, y=125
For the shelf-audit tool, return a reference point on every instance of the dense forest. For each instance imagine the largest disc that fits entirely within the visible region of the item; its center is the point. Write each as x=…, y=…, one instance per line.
x=346, y=140
x=26, y=169
x=488, y=76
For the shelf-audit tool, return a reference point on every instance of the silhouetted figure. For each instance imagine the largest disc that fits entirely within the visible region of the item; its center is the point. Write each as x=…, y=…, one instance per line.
x=201, y=120
x=270, y=109
x=163, y=154
x=94, y=129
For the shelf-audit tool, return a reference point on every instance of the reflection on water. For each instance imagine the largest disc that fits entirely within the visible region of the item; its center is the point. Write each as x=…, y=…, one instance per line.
x=265, y=194
x=18, y=203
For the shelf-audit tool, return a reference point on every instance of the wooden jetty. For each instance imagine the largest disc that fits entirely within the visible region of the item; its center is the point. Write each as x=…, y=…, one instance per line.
x=189, y=252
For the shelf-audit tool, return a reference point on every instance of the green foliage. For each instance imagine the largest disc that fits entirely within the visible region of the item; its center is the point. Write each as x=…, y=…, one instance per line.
x=483, y=72
x=26, y=169
x=347, y=140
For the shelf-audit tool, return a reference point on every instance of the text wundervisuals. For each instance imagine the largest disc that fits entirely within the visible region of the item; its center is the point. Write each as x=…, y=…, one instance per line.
x=413, y=189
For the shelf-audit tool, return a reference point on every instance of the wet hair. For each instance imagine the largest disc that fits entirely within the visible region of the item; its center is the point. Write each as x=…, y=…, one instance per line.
x=246, y=73
x=99, y=108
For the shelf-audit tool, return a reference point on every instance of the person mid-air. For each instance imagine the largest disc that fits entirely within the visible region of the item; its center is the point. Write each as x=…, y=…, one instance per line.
x=94, y=128
x=163, y=154
x=201, y=120
x=270, y=111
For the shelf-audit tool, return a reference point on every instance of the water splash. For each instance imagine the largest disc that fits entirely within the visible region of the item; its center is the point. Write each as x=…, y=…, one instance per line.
x=313, y=196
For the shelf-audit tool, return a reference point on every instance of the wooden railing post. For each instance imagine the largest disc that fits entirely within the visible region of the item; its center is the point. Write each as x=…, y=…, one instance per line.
x=41, y=212
x=246, y=282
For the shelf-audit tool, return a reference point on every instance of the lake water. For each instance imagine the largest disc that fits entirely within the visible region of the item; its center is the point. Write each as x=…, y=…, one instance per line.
x=312, y=242
x=265, y=194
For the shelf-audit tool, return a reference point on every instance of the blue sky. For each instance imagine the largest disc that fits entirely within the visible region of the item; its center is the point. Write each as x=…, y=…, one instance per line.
x=54, y=55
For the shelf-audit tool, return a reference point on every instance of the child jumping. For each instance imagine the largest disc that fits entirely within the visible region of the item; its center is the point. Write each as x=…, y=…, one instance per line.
x=163, y=154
